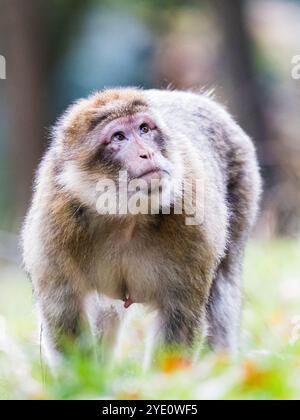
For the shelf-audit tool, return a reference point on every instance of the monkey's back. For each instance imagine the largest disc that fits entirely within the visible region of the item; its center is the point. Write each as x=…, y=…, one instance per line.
x=219, y=141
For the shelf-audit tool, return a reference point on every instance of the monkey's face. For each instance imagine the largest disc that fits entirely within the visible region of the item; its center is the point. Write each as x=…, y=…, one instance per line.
x=135, y=144
x=120, y=137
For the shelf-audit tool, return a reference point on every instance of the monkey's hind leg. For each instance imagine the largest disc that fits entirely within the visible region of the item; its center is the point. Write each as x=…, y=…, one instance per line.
x=224, y=307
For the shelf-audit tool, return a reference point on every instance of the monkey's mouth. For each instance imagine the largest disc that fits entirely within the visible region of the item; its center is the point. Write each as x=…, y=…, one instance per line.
x=154, y=173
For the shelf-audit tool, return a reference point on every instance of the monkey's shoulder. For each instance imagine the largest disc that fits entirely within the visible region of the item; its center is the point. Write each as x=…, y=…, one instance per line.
x=192, y=112
x=187, y=102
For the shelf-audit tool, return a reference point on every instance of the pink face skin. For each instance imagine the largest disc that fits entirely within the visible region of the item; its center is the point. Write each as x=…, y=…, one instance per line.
x=134, y=141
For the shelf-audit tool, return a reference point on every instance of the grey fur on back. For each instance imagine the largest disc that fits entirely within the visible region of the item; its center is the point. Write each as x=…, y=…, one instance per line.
x=234, y=155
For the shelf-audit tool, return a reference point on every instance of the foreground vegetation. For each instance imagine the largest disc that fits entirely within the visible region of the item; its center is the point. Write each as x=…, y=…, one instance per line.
x=268, y=366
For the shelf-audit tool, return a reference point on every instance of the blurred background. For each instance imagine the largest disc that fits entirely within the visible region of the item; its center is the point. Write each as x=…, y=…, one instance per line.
x=61, y=50
x=57, y=51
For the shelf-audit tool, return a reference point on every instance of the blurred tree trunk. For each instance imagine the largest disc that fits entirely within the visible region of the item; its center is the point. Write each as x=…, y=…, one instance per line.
x=27, y=95
x=247, y=98
x=35, y=34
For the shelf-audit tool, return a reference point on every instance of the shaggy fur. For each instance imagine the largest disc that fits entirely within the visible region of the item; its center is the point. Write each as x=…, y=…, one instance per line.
x=191, y=274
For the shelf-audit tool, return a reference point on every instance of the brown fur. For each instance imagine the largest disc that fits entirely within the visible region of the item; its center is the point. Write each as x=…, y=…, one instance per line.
x=191, y=274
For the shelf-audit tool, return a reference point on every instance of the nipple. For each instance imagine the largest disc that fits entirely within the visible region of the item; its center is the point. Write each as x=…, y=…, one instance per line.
x=127, y=302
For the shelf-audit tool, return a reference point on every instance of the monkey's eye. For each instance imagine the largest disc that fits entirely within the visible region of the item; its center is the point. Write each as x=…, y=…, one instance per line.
x=144, y=128
x=119, y=136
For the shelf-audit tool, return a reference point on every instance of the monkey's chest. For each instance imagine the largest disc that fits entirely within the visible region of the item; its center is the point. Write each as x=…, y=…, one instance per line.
x=134, y=272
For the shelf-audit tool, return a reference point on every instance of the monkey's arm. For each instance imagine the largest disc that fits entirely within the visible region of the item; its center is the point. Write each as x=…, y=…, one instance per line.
x=186, y=282
x=52, y=236
x=183, y=320
x=60, y=312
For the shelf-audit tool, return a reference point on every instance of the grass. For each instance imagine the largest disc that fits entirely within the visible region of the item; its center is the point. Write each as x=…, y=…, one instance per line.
x=268, y=366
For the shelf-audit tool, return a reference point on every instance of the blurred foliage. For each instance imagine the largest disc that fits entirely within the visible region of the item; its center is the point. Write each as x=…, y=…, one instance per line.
x=60, y=50
x=268, y=366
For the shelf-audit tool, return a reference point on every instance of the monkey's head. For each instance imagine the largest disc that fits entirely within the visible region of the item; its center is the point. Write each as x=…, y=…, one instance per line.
x=111, y=133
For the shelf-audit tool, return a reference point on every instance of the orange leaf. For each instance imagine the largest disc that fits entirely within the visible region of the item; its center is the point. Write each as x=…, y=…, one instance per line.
x=173, y=363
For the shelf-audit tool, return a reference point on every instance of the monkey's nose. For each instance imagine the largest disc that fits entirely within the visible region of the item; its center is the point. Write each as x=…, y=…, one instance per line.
x=146, y=153
x=144, y=156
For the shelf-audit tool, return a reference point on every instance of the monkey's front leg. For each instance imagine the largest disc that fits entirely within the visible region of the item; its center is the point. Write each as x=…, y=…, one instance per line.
x=183, y=319
x=104, y=315
x=60, y=310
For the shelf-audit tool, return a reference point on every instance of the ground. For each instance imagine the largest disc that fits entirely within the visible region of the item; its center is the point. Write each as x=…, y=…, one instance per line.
x=268, y=366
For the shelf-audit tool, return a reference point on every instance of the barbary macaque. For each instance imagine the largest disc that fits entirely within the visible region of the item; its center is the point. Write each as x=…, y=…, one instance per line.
x=189, y=269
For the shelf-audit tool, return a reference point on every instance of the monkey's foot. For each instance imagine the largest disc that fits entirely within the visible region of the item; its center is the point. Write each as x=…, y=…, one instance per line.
x=127, y=302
